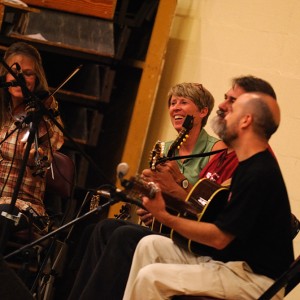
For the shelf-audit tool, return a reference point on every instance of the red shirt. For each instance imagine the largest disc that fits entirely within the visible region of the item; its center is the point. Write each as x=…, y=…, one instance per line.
x=221, y=167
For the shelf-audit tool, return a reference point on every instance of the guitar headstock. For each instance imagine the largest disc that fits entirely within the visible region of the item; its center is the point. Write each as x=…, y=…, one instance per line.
x=156, y=154
x=182, y=136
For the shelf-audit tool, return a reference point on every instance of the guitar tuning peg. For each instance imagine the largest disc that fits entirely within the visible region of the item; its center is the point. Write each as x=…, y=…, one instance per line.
x=184, y=140
x=186, y=135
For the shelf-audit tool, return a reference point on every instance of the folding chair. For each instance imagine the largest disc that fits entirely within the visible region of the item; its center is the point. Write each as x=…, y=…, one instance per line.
x=288, y=279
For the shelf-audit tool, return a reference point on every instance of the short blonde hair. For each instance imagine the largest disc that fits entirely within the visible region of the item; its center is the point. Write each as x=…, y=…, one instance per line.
x=195, y=92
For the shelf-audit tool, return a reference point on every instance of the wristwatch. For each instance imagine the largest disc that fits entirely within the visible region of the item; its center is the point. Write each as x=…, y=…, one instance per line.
x=185, y=183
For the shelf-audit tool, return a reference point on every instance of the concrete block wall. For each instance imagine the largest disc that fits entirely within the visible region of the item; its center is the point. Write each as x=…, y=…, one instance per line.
x=213, y=41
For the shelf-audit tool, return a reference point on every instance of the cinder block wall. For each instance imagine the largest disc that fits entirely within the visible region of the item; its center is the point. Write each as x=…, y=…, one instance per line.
x=212, y=41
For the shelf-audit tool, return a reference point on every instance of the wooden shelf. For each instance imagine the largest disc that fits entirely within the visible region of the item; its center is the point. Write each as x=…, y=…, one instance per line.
x=19, y=7
x=56, y=48
x=97, y=8
x=57, y=45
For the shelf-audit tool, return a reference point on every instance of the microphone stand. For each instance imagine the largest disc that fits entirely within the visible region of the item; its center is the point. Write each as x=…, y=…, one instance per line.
x=35, y=118
x=112, y=200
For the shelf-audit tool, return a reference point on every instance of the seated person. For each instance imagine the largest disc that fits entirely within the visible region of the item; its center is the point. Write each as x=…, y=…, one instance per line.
x=24, y=58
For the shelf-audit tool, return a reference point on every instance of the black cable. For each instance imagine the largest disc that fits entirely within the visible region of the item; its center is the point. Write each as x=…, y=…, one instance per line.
x=164, y=159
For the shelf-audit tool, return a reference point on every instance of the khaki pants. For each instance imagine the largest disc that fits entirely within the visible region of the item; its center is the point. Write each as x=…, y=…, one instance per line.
x=161, y=270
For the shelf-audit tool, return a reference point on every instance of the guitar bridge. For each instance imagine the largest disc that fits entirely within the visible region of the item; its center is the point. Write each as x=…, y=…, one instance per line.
x=202, y=201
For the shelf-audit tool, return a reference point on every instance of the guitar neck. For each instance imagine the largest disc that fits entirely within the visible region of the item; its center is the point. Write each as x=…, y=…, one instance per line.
x=135, y=189
x=179, y=205
x=183, y=134
x=176, y=144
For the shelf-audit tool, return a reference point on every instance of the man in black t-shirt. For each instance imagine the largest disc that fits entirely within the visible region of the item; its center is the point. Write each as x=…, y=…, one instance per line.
x=248, y=245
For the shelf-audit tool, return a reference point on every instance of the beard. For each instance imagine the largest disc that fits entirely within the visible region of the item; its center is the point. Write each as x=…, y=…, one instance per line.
x=219, y=126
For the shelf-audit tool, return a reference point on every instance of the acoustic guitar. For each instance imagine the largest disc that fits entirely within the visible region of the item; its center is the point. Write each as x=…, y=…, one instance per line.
x=157, y=156
x=208, y=199
x=204, y=202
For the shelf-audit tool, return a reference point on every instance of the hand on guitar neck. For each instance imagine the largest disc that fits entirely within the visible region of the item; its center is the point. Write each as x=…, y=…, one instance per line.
x=169, y=177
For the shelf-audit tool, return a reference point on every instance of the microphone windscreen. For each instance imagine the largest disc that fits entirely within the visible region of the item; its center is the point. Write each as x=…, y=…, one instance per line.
x=122, y=169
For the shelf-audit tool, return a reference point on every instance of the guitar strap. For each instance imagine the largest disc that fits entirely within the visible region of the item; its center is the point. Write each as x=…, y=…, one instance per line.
x=164, y=159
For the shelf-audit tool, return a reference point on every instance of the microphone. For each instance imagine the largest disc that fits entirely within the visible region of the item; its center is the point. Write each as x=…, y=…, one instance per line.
x=8, y=84
x=4, y=84
x=120, y=195
x=20, y=73
x=22, y=80
x=107, y=194
x=116, y=194
x=122, y=170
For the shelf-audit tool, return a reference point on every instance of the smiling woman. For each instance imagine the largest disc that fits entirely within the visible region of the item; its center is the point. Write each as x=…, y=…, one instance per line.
x=195, y=100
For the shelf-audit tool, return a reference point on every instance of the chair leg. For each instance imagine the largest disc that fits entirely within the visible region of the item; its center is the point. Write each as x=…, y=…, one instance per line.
x=292, y=283
x=291, y=276
x=46, y=289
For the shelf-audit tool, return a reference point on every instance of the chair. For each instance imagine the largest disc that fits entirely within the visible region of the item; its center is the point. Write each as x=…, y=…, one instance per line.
x=59, y=183
x=289, y=279
x=62, y=183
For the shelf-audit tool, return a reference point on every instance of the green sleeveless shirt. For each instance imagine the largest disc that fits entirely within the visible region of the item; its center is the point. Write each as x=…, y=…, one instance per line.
x=192, y=167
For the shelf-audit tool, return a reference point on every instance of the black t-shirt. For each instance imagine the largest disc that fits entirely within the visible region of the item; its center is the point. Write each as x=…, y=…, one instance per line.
x=258, y=214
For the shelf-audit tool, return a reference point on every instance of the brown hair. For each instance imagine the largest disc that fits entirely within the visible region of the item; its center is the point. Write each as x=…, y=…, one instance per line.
x=41, y=85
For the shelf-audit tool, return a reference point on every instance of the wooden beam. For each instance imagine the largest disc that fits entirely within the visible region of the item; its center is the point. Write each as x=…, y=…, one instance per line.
x=19, y=7
x=97, y=8
x=15, y=8
x=148, y=86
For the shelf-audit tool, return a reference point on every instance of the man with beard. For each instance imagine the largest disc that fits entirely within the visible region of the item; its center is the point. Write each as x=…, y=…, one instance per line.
x=248, y=245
